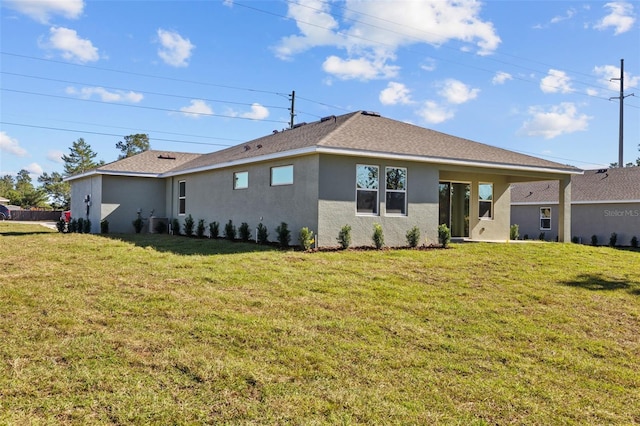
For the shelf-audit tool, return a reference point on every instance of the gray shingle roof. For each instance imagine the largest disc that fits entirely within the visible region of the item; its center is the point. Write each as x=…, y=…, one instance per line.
x=618, y=184
x=149, y=162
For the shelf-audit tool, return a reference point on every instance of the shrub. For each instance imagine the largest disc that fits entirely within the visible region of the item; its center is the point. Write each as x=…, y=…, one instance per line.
x=634, y=242
x=200, y=228
x=344, y=237
x=86, y=226
x=526, y=237
x=61, y=225
x=189, y=223
x=214, y=229
x=175, y=226
x=378, y=236
x=306, y=238
x=80, y=226
x=413, y=237
x=594, y=240
x=444, y=235
x=541, y=236
x=244, y=232
x=230, y=231
x=613, y=239
x=284, y=235
x=575, y=240
x=514, y=232
x=104, y=226
x=73, y=226
x=161, y=227
x=137, y=224
x=263, y=234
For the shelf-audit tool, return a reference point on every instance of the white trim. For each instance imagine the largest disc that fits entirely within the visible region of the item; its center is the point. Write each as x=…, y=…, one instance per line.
x=529, y=203
x=112, y=173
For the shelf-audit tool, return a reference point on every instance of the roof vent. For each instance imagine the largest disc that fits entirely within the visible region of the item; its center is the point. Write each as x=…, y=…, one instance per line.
x=275, y=131
x=295, y=126
x=327, y=118
x=259, y=146
x=602, y=171
x=166, y=157
x=371, y=113
x=247, y=148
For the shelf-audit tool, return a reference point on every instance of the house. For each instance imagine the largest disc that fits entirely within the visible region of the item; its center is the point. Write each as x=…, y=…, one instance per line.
x=602, y=202
x=356, y=169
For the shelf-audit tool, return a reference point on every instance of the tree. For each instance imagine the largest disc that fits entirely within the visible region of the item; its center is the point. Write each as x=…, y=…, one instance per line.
x=58, y=192
x=80, y=159
x=25, y=194
x=133, y=144
x=7, y=184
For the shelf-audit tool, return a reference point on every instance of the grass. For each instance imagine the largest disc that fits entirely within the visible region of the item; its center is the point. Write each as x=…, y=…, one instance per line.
x=149, y=329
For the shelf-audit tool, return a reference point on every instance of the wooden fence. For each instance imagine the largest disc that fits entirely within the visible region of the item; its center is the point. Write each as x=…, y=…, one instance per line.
x=36, y=215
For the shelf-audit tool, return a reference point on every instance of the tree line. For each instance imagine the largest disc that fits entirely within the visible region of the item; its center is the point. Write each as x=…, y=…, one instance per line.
x=52, y=192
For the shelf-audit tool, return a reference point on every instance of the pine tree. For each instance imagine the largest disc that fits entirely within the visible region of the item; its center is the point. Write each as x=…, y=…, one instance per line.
x=80, y=159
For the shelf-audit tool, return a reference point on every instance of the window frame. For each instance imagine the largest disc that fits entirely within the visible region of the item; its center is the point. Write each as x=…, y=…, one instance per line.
x=485, y=201
x=376, y=205
x=235, y=180
x=545, y=218
x=182, y=197
x=283, y=183
x=402, y=191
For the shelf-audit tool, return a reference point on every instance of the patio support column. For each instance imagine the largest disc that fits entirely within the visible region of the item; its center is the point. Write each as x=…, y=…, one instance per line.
x=564, y=202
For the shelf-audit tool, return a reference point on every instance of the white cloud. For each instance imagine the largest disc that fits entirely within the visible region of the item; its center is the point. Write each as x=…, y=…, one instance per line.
x=609, y=72
x=197, y=109
x=433, y=113
x=377, y=29
x=621, y=17
x=11, y=145
x=558, y=120
x=106, y=95
x=429, y=64
x=501, y=77
x=456, y=92
x=568, y=15
x=43, y=10
x=556, y=81
x=395, y=93
x=258, y=112
x=34, y=169
x=175, y=50
x=228, y=3
x=55, y=156
x=73, y=48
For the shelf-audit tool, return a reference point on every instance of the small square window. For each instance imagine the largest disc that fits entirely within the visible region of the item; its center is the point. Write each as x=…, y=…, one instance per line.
x=282, y=175
x=241, y=180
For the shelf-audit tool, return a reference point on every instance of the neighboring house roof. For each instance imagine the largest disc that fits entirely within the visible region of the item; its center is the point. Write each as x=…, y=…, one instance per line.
x=150, y=163
x=368, y=134
x=358, y=133
x=604, y=185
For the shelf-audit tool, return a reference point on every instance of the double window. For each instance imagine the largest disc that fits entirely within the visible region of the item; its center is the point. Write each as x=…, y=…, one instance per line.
x=182, y=197
x=545, y=218
x=282, y=175
x=241, y=180
x=485, y=201
x=396, y=190
x=367, y=178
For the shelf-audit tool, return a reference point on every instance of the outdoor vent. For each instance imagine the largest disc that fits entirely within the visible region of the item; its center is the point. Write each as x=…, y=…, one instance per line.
x=247, y=147
x=371, y=113
x=166, y=157
x=295, y=126
x=258, y=146
x=323, y=119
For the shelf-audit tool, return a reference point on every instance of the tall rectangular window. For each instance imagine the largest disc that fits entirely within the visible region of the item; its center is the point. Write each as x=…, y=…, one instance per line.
x=240, y=180
x=485, y=200
x=367, y=189
x=545, y=218
x=282, y=175
x=182, y=197
x=396, y=190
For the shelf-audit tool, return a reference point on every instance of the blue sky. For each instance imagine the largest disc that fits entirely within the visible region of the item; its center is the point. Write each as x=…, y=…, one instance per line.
x=197, y=76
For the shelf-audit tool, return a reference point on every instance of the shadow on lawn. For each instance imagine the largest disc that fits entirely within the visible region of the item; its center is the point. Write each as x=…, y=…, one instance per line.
x=182, y=245
x=600, y=283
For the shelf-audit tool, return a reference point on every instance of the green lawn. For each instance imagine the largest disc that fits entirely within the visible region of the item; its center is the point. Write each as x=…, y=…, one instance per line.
x=139, y=329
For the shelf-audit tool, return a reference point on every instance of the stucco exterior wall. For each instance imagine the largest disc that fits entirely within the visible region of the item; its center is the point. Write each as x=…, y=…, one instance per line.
x=92, y=186
x=337, y=202
x=210, y=196
x=496, y=228
x=601, y=220
x=124, y=196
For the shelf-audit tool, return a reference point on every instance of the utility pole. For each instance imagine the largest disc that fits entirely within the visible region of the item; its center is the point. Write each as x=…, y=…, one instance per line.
x=621, y=127
x=293, y=100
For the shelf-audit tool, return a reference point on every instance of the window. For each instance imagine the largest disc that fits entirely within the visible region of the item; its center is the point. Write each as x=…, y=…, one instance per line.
x=367, y=189
x=545, y=218
x=485, y=200
x=396, y=190
x=182, y=197
x=241, y=180
x=282, y=175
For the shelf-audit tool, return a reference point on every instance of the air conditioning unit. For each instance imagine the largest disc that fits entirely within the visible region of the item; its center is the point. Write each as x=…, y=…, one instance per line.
x=156, y=223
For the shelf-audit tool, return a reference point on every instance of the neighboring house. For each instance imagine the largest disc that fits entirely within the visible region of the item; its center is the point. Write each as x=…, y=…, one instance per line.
x=603, y=202
x=356, y=169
